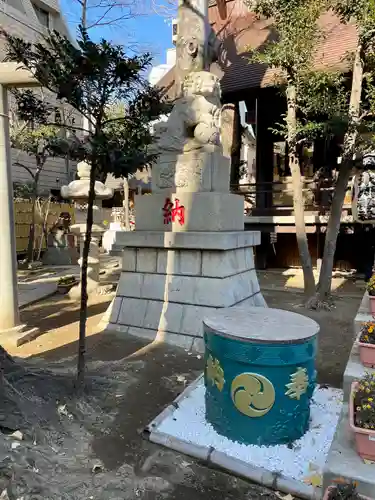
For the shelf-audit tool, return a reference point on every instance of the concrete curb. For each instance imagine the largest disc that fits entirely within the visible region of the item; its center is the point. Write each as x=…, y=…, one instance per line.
x=171, y=408
x=215, y=458
x=49, y=293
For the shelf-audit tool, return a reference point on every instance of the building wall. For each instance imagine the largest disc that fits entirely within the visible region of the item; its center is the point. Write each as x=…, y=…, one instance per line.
x=20, y=18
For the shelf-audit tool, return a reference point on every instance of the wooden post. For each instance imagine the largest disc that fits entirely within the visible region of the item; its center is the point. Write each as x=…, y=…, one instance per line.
x=264, y=156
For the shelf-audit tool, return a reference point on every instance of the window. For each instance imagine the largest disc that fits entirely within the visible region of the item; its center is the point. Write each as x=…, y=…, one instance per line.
x=16, y=4
x=42, y=15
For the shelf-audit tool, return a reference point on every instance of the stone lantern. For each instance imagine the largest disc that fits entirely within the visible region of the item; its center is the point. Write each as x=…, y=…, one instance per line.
x=78, y=191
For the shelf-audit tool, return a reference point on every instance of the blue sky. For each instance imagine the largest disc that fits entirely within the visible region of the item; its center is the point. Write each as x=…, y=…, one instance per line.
x=150, y=32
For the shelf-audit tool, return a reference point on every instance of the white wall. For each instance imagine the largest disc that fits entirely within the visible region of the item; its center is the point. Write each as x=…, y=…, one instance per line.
x=19, y=18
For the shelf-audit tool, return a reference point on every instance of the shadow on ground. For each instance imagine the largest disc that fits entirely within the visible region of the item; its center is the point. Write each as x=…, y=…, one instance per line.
x=141, y=384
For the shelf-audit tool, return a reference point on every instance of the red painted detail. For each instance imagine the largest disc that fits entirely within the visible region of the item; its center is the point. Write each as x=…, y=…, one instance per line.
x=173, y=212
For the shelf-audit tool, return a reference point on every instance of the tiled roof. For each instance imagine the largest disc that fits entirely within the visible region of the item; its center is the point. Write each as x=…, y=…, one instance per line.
x=241, y=29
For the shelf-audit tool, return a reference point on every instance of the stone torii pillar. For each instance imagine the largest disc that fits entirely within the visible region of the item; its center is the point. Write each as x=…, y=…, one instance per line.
x=11, y=75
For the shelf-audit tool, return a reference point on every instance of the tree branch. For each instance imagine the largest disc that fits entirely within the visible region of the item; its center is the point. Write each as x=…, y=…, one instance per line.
x=18, y=164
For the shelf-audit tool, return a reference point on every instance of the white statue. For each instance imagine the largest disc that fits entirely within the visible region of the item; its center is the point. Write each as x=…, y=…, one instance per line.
x=194, y=121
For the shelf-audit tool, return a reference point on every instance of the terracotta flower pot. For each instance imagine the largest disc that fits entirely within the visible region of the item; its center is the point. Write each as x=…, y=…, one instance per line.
x=326, y=493
x=366, y=353
x=364, y=438
x=372, y=304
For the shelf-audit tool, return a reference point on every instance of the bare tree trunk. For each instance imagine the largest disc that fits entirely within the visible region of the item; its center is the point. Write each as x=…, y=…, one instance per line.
x=333, y=227
x=298, y=202
x=84, y=297
x=44, y=228
x=31, y=242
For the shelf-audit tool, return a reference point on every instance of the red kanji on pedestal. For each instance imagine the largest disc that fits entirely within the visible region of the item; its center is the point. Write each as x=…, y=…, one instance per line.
x=178, y=212
x=171, y=212
x=167, y=211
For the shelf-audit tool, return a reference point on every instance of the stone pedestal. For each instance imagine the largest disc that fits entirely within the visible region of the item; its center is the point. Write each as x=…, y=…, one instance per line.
x=182, y=211
x=171, y=281
x=189, y=254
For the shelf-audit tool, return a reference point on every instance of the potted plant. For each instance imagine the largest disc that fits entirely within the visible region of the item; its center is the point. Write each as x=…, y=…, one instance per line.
x=343, y=490
x=362, y=416
x=366, y=343
x=371, y=292
x=66, y=283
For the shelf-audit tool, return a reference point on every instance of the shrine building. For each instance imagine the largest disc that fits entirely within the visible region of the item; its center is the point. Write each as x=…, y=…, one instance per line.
x=253, y=105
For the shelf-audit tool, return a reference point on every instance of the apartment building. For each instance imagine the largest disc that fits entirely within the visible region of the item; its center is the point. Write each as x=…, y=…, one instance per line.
x=30, y=19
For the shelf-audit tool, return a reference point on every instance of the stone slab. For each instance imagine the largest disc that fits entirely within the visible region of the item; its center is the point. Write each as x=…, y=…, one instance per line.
x=18, y=335
x=29, y=293
x=344, y=462
x=194, y=290
x=256, y=324
x=354, y=371
x=192, y=240
x=202, y=212
x=364, y=307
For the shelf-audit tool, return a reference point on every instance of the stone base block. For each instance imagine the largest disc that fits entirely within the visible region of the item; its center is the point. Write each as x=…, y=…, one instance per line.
x=198, y=212
x=344, y=462
x=363, y=314
x=354, y=371
x=170, y=282
x=192, y=171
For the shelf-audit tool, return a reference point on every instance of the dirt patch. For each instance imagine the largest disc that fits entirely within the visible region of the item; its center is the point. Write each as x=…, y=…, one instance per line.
x=336, y=335
x=91, y=447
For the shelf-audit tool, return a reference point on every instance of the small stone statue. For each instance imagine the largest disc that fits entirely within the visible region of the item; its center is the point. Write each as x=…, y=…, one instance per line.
x=59, y=251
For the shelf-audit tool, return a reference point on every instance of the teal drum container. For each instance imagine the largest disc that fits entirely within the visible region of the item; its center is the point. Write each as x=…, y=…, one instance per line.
x=259, y=374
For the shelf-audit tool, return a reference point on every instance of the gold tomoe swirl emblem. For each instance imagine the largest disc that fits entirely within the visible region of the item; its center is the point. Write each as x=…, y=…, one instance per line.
x=252, y=394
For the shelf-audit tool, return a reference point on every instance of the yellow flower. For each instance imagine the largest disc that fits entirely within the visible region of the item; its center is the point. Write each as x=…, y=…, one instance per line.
x=370, y=399
x=371, y=329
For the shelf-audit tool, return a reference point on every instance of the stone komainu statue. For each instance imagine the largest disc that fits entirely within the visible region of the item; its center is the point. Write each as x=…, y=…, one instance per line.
x=194, y=121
